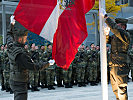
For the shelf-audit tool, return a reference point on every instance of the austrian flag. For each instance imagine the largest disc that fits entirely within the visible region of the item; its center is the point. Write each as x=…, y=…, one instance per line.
x=59, y=21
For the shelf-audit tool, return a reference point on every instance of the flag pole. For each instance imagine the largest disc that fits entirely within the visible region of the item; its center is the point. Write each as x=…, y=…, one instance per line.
x=103, y=54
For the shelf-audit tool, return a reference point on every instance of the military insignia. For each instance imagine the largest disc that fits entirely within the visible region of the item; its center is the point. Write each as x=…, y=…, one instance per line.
x=66, y=4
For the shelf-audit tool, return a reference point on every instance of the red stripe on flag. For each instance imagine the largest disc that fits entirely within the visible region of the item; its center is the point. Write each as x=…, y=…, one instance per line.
x=71, y=32
x=33, y=14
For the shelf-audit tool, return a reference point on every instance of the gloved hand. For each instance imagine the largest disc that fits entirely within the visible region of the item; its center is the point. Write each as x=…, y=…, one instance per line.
x=51, y=62
x=12, y=20
x=103, y=12
x=106, y=29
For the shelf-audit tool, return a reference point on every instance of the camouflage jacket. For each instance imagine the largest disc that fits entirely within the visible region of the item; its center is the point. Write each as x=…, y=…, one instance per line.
x=47, y=56
x=82, y=56
x=93, y=55
x=1, y=60
x=6, y=62
x=119, y=43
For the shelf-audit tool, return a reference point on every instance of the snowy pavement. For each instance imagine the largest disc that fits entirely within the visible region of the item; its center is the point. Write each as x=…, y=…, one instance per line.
x=75, y=93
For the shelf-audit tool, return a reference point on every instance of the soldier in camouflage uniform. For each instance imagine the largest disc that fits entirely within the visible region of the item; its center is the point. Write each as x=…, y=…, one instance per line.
x=6, y=71
x=2, y=68
x=20, y=60
x=43, y=77
x=92, y=63
x=82, y=63
x=98, y=64
x=50, y=71
x=68, y=77
x=26, y=47
x=119, y=41
x=130, y=53
x=74, y=72
x=34, y=75
x=59, y=76
x=86, y=69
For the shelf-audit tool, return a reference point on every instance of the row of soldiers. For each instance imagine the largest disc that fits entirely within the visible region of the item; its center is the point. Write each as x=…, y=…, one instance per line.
x=84, y=69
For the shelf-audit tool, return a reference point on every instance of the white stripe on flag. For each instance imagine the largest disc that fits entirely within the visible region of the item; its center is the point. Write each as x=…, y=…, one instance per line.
x=51, y=25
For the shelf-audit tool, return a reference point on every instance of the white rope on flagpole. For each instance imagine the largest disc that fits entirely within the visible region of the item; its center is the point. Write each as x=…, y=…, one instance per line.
x=103, y=54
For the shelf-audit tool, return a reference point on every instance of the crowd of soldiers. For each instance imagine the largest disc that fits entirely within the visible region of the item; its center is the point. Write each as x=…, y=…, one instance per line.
x=84, y=70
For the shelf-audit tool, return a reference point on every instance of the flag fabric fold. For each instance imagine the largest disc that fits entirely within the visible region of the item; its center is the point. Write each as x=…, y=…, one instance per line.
x=61, y=22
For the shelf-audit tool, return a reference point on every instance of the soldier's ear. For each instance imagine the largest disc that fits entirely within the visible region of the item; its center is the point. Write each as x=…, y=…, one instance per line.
x=19, y=40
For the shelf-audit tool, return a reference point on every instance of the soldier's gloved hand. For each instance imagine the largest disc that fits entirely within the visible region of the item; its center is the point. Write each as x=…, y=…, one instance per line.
x=106, y=30
x=12, y=20
x=51, y=62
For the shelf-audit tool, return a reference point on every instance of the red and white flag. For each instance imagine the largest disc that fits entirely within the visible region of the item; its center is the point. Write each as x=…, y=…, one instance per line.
x=59, y=21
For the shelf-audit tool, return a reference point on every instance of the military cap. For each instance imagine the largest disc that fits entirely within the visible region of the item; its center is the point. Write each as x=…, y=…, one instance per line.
x=121, y=20
x=48, y=44
x=19, y=30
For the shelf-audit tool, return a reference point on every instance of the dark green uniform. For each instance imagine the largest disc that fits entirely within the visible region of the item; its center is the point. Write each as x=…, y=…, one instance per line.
x=118, y=59
x=50, y=71
x=93, y=66
x=34, y=75
x=68, y=77
x=82, y=63
x=1, y=69
x=59, y=76
x=6, y=71
x=43, y=77
x=98, y=66
x=20, y=63
x=74, y=72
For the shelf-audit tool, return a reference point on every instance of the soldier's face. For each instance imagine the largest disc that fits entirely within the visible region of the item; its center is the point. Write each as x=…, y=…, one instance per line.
x=24, y=39
x=50, y=47
x=2, y=47
x=97, y=47
x=92, y=46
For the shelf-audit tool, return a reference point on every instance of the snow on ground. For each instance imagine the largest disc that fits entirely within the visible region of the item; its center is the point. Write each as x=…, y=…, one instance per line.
x=75, y=93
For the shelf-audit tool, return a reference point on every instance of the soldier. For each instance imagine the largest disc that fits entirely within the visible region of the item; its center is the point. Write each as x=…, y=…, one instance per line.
x=119, y=41
x=34, y=75
x=98, y=64
x=43, y=77
x=20, y=60
x=74, y=72
x=2, y=67
x=92, y=63
x=131, y=61
x=28, y=50
x=6, y=72
x=82, y=63
x=50, y=71
x=86, y=68
x=87, y=48
x=59, y=76
x=67, y=77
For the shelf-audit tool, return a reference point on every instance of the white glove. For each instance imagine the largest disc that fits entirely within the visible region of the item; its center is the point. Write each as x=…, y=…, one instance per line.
x=106, y=29
x=103, y=12
x=51, y=62
x=12, y=20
